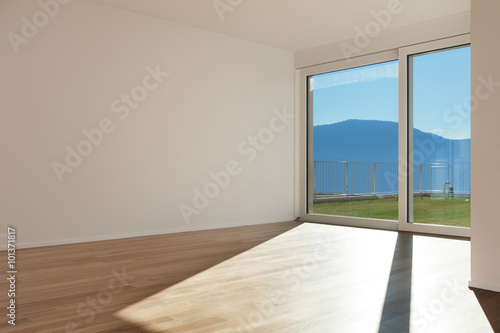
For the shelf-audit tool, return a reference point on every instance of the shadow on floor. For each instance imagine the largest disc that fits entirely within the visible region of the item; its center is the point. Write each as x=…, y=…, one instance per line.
x=395, y=315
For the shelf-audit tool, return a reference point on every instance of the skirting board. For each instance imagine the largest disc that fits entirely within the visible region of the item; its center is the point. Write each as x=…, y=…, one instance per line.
x=33, y=244
x=484, y=285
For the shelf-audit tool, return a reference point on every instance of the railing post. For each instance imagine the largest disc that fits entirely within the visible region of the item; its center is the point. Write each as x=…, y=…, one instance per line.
x=420, y=177
x=430, y=177
x=346, y=179
x=374, y=178
x=314, y=179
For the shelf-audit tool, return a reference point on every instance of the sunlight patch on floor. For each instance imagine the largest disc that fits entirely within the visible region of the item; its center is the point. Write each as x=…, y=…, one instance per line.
x=313, y=278
x=438, y=299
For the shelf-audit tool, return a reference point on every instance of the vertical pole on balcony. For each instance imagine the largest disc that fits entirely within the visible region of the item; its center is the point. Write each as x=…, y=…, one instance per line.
x=374, y=178
x=430, y=177
x=314, y=179
x=346, y=179
x=420, y=177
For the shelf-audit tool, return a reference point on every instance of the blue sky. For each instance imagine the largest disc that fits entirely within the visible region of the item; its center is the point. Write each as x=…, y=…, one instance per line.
x=441, y=81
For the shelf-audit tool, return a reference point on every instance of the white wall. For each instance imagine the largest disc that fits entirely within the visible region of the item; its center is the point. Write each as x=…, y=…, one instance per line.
x=64, y=80
x=485, y=146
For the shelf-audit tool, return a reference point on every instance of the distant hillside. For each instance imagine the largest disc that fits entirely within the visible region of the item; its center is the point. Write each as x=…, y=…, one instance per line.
x=377, y=141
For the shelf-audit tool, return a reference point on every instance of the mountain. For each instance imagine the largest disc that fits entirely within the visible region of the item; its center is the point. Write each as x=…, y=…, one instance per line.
x=377, y=141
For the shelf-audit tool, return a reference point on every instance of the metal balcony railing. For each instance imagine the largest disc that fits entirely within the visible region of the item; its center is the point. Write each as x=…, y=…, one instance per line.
x=379, y=178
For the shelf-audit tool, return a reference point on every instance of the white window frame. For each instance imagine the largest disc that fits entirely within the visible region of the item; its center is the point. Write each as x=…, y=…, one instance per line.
x=305, y=144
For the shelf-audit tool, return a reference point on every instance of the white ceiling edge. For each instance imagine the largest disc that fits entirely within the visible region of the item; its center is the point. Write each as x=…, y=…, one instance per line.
x=291, y=25
x=455, y=25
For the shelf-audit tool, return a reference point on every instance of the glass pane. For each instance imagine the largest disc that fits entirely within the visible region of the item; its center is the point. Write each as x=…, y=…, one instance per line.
x=353, y=142
x=440, y=108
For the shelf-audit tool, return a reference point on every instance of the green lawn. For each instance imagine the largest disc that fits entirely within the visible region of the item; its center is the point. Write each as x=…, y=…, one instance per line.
x=431, y=210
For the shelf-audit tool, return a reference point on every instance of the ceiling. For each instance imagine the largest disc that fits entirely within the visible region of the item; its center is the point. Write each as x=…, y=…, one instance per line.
x=292, y=25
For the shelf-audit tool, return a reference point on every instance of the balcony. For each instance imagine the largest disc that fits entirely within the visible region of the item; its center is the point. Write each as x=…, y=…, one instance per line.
x=441, y=191
x=341, y=181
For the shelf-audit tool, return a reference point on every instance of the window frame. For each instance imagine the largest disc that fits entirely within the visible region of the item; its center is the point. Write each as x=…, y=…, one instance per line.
x=404, y=151
x=306, y=142
x=406, y=136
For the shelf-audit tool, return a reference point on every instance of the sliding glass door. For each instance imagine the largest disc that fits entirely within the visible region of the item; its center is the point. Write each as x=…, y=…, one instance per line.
x=353, y=155
x=440, y=137
x=386, y=141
